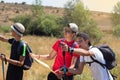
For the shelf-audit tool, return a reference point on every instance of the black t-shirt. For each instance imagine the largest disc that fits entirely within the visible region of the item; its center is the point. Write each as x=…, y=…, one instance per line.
x=17, y=49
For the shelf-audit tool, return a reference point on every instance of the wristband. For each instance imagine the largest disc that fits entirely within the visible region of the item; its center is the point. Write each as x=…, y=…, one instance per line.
x=70, y=50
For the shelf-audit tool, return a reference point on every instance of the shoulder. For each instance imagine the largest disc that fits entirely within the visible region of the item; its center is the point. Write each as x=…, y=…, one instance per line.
x=97, y=53
x=60, y=40
x=22, y=44
x=94, y=49
x=75, y=44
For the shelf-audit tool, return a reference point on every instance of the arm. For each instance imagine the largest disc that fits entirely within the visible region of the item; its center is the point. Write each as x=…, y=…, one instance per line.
x=14, y=62
x=79, y=51
x=83, y=52
x=2, y=38
x=46, y=57
x=73, y=62
x=79, y=70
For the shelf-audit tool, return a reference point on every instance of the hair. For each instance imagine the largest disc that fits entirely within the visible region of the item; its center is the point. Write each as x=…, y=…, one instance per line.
x=84, y=36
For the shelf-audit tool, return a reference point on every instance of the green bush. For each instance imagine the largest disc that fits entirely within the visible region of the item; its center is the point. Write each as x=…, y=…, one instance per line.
x=116, y=30
x=5, y=29
x=47, y=25
x=50, y=25
x=115, y=18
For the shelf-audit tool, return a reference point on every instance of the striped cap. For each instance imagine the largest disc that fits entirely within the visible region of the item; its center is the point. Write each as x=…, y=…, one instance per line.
x=18, y=28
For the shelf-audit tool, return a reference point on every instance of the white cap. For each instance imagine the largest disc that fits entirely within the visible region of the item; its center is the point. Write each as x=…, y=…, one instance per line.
x=18, y=28
x=73, y=27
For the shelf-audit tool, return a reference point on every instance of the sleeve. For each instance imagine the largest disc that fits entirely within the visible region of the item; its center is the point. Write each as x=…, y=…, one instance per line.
x=11, y=40
x=98, y=55
x=23, y=49
x=56, y=45
x=74, y=54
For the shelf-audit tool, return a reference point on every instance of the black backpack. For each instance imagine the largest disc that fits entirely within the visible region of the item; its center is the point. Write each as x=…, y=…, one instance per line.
x=108, y=55
x=28, y=60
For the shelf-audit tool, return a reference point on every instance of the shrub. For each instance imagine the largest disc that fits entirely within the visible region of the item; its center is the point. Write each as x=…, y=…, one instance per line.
x=47, y=25
x=116, y=30
x=5, y=29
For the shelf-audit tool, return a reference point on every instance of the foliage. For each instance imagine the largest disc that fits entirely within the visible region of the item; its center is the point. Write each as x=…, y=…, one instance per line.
x=5, y=29
x=116, y=19
x=40, y=23
x=116, y=14
x=116, y=30
x=75, y=12
x=47, y=25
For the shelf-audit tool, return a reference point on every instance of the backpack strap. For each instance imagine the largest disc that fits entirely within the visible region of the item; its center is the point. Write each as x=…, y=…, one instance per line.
x=24, y=48
x=94, y=60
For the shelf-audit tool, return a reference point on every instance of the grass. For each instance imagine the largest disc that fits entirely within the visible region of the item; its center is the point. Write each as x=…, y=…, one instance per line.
x=42, y=45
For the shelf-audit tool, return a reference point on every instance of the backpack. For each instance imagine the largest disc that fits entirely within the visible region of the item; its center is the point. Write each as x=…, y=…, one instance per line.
x=109, y=57
x=28, y=60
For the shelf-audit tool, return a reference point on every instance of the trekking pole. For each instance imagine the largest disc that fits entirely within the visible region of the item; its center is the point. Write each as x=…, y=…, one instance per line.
x=64, y=65
x=3, y=70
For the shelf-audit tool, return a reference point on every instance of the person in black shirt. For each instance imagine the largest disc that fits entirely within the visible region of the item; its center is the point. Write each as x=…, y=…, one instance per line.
x=18, y=52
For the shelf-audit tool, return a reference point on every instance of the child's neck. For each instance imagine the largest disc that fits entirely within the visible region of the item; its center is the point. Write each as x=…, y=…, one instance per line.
x=18, y=38
x=69, y=39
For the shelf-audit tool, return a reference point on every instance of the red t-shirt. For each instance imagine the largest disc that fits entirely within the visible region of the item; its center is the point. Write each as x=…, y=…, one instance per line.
x=59, y=60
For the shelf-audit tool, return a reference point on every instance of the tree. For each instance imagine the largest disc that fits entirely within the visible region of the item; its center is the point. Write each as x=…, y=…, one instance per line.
x=116, y=15
x=77, y=13
x=116, y=20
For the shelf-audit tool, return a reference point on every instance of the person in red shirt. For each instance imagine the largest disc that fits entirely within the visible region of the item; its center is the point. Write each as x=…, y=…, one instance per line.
x=62, y=58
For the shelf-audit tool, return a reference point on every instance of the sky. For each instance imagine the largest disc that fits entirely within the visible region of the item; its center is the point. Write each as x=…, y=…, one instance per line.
x=94, y=5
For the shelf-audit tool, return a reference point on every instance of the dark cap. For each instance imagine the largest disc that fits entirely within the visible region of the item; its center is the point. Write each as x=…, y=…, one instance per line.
x=85, y=36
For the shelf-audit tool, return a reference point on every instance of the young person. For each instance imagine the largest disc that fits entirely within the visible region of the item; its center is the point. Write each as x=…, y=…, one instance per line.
x=87, y=51
x=16, y=60
x=62, y=58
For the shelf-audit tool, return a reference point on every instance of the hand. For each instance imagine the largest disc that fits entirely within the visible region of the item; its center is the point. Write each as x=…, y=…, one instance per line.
x=2, y=57
x=64, y=69
x=64, y=46
x=33, y=55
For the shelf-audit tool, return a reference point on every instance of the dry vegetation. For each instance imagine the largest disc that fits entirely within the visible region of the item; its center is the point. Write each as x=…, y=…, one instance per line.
x=9, y=11
x=42, y=45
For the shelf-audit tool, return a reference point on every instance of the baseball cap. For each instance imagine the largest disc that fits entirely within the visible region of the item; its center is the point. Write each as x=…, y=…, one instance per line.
x=83, y=35
x=18, y=28
x=73, y=27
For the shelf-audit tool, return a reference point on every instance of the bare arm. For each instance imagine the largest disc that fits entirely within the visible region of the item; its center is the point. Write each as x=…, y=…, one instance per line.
x=80, y=51
x=83, y=52
x=46, y=57
x=15, y=62
x=79, y=70
x=73, y=62
x=2, y=38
